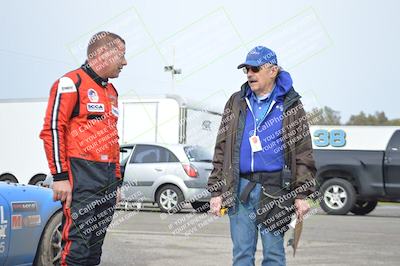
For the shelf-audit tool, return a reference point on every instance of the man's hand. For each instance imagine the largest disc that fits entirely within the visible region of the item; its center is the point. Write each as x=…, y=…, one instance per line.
x=302, y=207
x=62, y=191
x=215, y=205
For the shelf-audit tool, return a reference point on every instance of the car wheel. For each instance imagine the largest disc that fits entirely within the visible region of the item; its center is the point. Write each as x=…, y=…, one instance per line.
x=8, y=177
x=170, y=199
x=362, y=207
x=37, y=180
x=201, y=206
x=49, y=251
x=338, y=195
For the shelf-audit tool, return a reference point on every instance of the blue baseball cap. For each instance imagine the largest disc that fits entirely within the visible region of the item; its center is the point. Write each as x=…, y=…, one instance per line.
x=259, y=56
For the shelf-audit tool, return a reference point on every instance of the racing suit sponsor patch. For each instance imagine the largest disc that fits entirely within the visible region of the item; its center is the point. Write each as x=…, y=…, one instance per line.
x=66, y=85
x=93, y=96
x=95, y=107
x=114, y=110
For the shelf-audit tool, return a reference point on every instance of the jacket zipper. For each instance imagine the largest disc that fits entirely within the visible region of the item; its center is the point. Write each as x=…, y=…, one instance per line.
x=256, y=127
x=255, y=131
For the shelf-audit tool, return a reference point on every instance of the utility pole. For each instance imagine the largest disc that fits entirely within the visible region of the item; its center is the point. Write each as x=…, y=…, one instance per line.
x=174, y=71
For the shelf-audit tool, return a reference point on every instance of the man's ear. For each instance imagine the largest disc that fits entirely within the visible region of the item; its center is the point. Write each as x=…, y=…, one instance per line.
x=276, y=71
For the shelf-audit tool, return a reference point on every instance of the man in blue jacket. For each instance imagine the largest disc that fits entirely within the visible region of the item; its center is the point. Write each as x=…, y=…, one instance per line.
x=263, y=154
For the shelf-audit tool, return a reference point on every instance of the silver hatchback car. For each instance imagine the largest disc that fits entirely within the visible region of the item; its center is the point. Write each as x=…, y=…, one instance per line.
x=167, y=174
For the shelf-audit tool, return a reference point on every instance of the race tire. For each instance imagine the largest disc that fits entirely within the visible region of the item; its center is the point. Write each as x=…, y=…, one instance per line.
x=49, y=248
x=8, y=177
x=37, y=180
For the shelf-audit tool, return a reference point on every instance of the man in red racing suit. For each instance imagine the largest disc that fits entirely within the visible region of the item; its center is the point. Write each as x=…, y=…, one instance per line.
x=81, y=144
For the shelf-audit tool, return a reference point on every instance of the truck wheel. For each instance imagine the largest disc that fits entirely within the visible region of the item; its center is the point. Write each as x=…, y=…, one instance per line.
x=170, y=198
x=49, y=248
x=8, y=177
x=37, y=180
x=201, y=206
x=338, y=195
x=362, y=207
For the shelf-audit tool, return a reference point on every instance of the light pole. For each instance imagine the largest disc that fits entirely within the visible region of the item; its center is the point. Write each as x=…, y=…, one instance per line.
x=174, y=71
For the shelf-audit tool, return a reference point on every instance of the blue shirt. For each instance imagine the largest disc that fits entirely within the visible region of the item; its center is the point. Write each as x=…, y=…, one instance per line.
x=270, y=158
x=260, y=105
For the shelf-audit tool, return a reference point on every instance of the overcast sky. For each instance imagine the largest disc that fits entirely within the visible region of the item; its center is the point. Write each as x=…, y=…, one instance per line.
x=343, y=54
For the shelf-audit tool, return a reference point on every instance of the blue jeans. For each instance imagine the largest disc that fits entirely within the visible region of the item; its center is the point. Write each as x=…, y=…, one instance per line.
x=244, y=233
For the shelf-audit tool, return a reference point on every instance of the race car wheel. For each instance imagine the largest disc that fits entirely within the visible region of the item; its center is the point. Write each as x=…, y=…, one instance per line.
x=8, y=177
x=37, y=180
x=49, y=249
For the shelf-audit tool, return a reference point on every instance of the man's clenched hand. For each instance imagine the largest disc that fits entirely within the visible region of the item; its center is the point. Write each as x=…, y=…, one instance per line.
x=302, y=207
x=215, y=205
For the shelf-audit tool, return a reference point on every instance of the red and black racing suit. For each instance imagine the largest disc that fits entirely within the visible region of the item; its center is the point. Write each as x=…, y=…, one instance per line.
x=81, y=143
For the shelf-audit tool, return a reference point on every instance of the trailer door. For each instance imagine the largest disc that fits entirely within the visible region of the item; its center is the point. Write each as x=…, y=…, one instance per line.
x=392, y=165
x=139, y=122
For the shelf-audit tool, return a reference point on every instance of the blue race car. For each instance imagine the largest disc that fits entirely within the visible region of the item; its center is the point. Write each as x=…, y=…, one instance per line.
x=30, y=225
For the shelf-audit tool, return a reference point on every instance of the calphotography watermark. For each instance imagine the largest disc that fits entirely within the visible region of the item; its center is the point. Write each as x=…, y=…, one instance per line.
x=96, y=214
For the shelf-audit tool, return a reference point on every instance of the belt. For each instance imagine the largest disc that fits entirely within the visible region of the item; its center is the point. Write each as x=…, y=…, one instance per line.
x=261, y=178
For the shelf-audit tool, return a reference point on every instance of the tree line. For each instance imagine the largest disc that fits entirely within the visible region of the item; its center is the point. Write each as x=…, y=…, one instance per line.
x=328, y=116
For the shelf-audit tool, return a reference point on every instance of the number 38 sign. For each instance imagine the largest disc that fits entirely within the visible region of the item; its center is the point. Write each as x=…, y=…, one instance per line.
x=334, y=137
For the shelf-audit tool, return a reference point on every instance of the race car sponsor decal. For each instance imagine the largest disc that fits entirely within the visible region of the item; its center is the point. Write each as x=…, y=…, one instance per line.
x=3, y=230
x=114, y=111
x=32, y=221
x=16, y=221
x=66, y=85
x=3, y=223
x=95, y=107
x=93, y=96
x=24, y=206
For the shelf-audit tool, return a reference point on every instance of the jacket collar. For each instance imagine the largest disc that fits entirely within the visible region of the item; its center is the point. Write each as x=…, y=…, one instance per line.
x=289, y=99
x=88, y=70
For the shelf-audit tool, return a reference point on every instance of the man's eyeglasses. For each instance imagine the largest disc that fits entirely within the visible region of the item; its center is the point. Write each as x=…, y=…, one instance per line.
x=254, y=69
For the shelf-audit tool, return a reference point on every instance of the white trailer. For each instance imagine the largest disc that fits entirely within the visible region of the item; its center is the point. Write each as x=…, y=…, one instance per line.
x=167, y=119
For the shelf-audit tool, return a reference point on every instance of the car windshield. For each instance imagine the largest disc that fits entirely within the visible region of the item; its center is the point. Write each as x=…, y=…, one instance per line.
x=198, y=154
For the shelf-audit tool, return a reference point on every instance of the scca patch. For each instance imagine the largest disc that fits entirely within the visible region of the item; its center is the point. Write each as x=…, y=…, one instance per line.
x=66, y=85
x=95, y=107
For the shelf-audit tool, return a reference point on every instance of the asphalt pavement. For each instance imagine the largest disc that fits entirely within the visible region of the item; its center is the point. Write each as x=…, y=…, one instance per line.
x=146, y=237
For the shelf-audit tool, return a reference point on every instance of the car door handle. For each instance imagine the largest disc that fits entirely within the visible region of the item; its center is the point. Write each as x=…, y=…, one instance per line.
x=159, y=169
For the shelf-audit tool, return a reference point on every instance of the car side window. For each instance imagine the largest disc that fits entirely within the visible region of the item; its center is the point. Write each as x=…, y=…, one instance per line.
x=152, y=154
x=394, y=143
